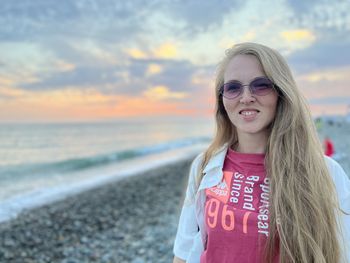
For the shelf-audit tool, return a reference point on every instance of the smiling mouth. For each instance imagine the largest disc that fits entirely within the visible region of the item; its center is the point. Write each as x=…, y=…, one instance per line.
x=248, y=112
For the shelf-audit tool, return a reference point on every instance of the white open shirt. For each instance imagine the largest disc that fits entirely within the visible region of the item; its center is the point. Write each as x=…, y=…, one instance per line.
x=191, y=233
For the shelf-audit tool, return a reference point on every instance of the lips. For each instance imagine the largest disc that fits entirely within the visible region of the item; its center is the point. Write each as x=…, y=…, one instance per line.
x=249, y=112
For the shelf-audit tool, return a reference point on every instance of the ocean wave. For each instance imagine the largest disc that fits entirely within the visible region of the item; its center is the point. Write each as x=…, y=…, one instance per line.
x=76, y=164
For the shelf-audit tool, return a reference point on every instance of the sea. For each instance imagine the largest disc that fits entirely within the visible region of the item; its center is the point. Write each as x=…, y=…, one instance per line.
x=44, y=162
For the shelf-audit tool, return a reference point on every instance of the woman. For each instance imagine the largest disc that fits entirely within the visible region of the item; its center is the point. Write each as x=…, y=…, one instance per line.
x=263, y=191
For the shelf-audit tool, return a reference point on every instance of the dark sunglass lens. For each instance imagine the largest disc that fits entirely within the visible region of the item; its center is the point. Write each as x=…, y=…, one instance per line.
x=232, y=89
x=261, y=86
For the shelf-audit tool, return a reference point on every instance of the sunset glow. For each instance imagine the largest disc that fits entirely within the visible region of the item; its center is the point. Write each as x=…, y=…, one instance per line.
x=161, y=59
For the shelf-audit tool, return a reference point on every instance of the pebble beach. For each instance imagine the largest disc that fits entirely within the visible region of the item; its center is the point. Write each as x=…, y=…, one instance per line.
x=132, y=220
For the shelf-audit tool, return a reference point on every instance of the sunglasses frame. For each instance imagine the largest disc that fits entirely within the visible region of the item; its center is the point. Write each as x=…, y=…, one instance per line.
x=247, y=85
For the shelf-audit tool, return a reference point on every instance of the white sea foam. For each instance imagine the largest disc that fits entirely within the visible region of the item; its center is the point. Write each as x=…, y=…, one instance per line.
x=80, y=181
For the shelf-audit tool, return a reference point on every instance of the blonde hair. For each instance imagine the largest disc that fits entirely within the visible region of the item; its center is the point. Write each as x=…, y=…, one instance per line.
x=303, y=202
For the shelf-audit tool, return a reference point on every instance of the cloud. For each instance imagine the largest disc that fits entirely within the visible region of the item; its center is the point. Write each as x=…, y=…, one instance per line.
x=9, y=93
x=329, y=75
x=163, y=93
x=304, y=7
x=27, y=18
x=6, y=81
x=136, y=53
x=92, y=52
x=62, y=65
x=298, y=35
x=322, y=54
x=166, y=50
x=331, y=100
x=134, y=78
x=197, y=16
x=316, y=14
x=80, y=77
x=154, y=69
x=163, y=51
x=326, y=87
x=70, y=18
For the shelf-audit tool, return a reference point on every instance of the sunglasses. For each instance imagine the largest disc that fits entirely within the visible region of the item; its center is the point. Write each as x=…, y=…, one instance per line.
x=260, y=86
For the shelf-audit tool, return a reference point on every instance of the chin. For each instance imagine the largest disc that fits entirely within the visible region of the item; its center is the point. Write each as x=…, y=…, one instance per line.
x=252, y=130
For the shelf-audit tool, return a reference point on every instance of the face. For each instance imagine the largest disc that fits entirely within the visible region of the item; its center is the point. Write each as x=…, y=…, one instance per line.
x=250, y=114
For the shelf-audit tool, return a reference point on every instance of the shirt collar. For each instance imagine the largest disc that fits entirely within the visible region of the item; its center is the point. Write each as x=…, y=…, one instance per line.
x=217, y=160
x=213, y=170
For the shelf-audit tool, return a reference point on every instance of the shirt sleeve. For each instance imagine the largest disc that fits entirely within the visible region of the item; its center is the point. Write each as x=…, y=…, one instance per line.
x=342, y=185
x=188, y=229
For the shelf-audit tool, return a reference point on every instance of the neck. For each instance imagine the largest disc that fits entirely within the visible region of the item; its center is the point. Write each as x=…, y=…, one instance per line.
x=251, y=144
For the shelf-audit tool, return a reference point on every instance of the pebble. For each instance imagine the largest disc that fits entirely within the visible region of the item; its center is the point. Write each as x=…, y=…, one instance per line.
x=138, y=260
x=128, y=221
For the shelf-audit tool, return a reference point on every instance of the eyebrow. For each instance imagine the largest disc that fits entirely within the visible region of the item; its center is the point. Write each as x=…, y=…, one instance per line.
x=235, y=80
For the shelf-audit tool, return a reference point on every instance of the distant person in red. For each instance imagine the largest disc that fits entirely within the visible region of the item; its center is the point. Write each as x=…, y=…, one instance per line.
x=329, y=147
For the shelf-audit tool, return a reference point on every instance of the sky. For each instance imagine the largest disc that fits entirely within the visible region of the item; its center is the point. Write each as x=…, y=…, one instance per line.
x=82, y=60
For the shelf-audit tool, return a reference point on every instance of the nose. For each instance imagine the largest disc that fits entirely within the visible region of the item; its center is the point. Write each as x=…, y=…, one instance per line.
x=246, y=96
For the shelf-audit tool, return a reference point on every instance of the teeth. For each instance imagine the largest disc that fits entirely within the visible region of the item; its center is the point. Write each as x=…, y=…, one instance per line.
x=247, y=113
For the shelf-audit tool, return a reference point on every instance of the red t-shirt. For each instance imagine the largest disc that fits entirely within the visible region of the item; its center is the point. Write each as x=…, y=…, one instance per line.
x=236, y=211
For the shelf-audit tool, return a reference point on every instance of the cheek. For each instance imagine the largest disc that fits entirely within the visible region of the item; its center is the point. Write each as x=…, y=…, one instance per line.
x=225, y=105
x=228, y=105
x=273, y=107
x=271, y=101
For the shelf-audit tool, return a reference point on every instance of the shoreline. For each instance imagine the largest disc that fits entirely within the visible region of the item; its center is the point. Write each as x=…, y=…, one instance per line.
x=131, y=220
x=92, y=178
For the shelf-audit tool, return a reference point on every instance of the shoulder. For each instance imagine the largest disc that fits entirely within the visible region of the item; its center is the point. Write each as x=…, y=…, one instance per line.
x=195, y=167
x=197, y=162
x=342, y=185
x=336, y=171
x=340, y=179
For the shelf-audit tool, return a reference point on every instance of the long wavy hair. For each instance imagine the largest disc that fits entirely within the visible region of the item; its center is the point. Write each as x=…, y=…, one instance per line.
x=303, y=202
